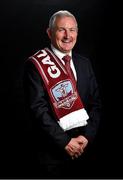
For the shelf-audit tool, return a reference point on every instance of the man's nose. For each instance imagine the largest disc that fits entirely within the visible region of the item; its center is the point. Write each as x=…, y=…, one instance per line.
x=66, y=34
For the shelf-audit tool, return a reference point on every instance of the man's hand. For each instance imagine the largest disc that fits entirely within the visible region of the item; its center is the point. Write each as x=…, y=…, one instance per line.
x=73, y=147
x=76, y=146
x=82, y=141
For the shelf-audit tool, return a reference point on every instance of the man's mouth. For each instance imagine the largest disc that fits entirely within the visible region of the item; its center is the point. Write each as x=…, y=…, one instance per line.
x=66, y=42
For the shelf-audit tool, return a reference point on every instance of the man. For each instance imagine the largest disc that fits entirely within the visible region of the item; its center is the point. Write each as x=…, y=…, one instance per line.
x=63, y=101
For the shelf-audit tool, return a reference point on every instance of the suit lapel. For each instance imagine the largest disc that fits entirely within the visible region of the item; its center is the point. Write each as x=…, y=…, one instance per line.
x=76, y=64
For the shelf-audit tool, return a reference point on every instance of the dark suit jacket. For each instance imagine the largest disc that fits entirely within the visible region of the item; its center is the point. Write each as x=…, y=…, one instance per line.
x=48, y=136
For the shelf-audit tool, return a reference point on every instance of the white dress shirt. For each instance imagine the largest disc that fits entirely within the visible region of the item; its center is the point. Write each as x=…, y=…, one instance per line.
x=60, y=55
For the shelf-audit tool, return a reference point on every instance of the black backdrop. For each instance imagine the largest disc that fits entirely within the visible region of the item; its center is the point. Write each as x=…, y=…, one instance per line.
x=23, y=26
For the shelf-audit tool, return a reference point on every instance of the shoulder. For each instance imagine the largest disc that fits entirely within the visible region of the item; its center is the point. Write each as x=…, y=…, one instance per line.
x=29, y=61
x=29, y=65
x=80, y=59
x=83, y=64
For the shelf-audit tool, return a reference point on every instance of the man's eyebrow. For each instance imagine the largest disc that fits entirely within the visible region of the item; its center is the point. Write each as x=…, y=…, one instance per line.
x=67, y=28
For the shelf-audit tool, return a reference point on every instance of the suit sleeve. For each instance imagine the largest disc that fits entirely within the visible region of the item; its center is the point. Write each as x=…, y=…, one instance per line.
x=38, y=103
x=93, y=106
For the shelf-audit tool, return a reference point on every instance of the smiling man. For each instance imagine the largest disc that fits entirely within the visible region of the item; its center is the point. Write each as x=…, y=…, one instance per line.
x=63, y=33
x=62, y=98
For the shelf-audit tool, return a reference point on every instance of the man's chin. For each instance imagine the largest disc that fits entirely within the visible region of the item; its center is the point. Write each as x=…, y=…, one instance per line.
x=66, y=50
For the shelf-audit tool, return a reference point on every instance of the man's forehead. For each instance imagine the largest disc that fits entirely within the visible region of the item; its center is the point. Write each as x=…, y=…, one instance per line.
x=65, y=21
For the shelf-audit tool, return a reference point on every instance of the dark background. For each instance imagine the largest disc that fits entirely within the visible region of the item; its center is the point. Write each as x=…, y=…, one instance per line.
x=23, y=26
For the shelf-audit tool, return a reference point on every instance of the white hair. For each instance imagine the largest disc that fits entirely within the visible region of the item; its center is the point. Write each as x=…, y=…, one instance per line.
x=61, y=13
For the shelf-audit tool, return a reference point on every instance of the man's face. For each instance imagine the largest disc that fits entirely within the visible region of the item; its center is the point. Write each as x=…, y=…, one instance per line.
x=64, y=34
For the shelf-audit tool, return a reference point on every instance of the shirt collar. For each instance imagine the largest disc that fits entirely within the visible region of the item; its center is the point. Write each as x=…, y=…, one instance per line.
x=58, y=53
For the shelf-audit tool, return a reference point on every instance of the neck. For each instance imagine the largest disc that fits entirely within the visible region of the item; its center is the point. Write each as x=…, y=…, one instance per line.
x=61, y=54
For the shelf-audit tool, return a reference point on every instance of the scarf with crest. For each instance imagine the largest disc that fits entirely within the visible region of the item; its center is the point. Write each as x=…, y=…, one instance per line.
x=61, y=88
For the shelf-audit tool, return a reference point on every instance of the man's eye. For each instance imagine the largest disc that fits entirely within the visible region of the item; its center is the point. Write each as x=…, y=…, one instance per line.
x=73, y=30
x=61, y=30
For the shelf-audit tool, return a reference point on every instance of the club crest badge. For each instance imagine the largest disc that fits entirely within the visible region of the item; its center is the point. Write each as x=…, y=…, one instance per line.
x=64, y=95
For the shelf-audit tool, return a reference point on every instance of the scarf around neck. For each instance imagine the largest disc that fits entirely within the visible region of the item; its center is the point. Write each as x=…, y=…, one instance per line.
x=62, y=90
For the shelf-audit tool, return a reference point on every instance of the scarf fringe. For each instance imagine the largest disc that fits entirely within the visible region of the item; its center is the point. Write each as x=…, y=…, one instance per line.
x=75, y=119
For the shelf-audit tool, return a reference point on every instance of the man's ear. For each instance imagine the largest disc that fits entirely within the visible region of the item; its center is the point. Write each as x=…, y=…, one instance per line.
x=49, y=32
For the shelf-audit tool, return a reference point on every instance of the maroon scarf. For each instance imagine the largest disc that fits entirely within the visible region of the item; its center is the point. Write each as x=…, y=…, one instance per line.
x=61, y=88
